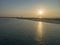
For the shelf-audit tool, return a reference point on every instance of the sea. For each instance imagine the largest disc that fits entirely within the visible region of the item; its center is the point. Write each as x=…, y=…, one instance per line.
x=27, y=32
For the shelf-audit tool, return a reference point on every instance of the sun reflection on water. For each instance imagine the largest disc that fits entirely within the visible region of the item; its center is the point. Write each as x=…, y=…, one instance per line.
x=39, y=33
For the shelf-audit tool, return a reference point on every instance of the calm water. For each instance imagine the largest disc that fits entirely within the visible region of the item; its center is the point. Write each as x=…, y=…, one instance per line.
x=25, y=32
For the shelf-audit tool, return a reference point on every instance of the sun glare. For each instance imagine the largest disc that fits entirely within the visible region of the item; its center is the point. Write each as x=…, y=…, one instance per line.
x=40, y=12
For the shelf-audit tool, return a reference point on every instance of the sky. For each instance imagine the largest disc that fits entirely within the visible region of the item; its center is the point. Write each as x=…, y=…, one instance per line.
x=29, y=8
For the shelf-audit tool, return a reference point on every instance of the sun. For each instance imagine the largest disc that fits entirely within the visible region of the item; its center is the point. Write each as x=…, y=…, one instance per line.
x=40, y=12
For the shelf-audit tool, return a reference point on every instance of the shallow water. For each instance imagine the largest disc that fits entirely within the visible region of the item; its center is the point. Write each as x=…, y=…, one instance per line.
x=25, y=32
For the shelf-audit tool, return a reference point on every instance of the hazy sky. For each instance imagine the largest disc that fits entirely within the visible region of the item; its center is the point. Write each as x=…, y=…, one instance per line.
x=51, y=8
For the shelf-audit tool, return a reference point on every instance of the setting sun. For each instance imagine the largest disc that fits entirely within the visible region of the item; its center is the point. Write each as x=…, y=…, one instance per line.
x=40, y=12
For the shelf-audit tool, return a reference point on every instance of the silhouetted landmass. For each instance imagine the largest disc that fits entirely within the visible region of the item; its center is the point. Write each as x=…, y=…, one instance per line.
x=48, y=20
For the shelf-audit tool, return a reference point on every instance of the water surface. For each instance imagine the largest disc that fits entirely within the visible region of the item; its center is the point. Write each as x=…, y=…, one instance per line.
x=25, y=32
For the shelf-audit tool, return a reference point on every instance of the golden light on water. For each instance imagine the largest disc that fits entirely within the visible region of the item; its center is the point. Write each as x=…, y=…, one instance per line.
x=39, y=32
x=40, y=35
